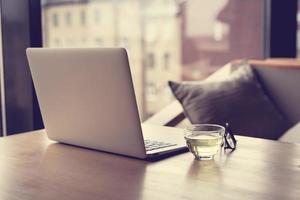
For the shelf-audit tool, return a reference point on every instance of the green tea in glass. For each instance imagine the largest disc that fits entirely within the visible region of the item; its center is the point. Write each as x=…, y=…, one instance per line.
x=204, y=140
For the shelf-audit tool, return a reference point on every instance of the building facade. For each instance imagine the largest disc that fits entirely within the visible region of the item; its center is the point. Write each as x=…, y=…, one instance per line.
x=149, y=30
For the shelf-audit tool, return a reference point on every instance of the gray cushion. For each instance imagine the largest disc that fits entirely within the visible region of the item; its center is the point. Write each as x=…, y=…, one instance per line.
x=282, y=86
x=240, y=100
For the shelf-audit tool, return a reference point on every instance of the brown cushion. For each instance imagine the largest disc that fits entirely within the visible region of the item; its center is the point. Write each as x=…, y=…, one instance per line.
x=240, y=101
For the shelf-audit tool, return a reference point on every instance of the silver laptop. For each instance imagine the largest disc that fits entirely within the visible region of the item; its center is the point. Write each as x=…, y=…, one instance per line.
x=87, y=99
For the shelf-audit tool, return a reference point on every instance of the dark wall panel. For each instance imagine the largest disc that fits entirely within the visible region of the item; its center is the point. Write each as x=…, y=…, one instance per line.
x=283, y=28
x=16, y=37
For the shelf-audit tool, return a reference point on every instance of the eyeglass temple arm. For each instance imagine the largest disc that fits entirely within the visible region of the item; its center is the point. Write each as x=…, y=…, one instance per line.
x=228, y=131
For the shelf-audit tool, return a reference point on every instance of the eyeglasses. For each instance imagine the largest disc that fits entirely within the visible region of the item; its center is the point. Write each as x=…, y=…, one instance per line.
x=230, y=141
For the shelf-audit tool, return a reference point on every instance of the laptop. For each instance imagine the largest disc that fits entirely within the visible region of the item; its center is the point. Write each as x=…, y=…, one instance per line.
x=87, y=99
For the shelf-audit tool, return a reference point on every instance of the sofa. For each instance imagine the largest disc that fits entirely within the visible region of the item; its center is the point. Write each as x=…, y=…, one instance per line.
x=279, y=77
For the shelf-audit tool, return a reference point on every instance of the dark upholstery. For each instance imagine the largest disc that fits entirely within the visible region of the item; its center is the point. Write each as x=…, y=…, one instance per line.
x=240, y=100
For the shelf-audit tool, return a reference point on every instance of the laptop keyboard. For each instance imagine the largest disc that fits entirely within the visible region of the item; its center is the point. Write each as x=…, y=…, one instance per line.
x=153, y=145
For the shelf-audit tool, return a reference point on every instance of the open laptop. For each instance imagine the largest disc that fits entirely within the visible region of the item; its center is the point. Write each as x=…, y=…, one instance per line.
x=87, y=99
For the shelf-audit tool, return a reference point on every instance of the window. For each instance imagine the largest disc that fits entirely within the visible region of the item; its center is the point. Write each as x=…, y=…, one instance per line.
x=55, y=19
x=124, y=42
x=57, y=42
x=142, y=21
x=150, y=60
x=99, y=42
x=97, y=16
x=151, y=91
x=169, y=39
x=83, y=18
x=166, y=61
x=68, y=18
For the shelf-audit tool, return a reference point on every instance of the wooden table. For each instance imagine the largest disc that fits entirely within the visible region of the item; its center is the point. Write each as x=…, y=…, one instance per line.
x=32, y=167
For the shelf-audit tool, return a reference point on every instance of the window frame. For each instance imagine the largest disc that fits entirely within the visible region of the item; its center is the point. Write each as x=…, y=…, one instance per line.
x=281, y=22
x=18, y=34
x=275, y=30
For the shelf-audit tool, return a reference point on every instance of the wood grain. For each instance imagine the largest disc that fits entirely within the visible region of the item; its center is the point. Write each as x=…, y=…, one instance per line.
x=33, y=167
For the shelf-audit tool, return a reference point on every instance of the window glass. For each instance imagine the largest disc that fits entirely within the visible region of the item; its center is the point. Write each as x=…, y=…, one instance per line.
x=166, y=61
x=165, y=39
x=151, y=60
x=55, y=19
x=98, y=42
x=68, y=18
x=97, y=16
x=83, y=17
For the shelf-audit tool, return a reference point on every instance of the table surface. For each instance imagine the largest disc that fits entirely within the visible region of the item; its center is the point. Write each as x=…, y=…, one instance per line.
x=33, y=167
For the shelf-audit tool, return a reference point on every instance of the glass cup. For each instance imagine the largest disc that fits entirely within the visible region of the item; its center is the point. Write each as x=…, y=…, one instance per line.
x=204, y=140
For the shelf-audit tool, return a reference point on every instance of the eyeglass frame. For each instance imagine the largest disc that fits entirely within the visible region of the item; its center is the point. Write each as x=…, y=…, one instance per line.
x=227, y=136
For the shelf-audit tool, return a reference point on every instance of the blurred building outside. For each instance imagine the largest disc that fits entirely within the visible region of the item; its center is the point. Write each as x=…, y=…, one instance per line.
x=165, y=39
